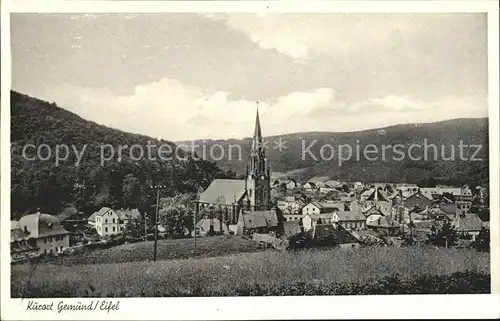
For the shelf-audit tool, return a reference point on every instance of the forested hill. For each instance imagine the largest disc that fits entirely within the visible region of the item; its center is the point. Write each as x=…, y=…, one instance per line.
x=91, y=183
x=446, y=136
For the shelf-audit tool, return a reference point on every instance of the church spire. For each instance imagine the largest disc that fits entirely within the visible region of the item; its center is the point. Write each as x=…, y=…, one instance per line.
x=257, y=136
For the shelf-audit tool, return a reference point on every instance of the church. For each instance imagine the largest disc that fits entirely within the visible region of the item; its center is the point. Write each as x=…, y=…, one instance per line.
x=250, y=194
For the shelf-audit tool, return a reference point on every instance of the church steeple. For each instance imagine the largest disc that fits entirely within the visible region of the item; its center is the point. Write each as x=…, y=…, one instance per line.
x=257, y=136
x=257, y=182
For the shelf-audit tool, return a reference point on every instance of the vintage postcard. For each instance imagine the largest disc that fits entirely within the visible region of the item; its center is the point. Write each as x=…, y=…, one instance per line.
x=249, y=160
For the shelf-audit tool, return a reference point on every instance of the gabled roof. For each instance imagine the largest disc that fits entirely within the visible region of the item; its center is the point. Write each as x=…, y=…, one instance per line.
x=448, y=208
x=342, y=235
x=102, y=211
x=224, y=191
x=377, y=195
x=469, y=223
x=417, y=200
x=91, y=218
x=348, y=216
x=367, y=193
x=256, y=219
x=312, y=184
x=333, y=183
x=328, y=207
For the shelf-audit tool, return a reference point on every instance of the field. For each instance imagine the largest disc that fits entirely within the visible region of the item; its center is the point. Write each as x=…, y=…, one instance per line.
x=373, y=270
x=167, y=249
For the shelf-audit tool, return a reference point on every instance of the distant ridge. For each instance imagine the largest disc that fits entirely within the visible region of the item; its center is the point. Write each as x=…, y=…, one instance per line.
x=445, y=133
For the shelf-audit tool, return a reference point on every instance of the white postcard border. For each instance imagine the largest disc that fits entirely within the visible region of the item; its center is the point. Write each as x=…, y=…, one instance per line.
x=387, y=307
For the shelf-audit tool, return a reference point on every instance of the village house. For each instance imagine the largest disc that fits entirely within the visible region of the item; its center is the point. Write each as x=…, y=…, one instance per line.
x=432, y=192
x=385, y=225
x=309, y=187
x=373, y=215
x=327, y=189
x=444, y=211
x=106, y=222
x=417, y=202
x=292, y=184
x=322, y=207
x=333, y=184
x=310, y=220
x=463, y=207
x=358, y=186
x=466, y=194
x=349, y=220
x=36, y=234
x=469, y=224
x=406, y=189
x=127, y=216
x=292, y=217
x=250, y=222
x=343, y=237
x=379, y=199
x=290, y=205
x=347, y=197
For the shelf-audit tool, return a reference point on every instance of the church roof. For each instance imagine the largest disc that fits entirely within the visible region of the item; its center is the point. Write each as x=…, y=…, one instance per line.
x=223, y=191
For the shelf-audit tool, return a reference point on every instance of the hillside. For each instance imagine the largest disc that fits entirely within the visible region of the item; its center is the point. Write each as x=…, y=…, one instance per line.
x=88, y=183
x=289, y=162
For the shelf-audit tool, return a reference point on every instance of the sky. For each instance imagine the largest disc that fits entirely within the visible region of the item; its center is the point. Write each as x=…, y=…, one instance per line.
x=199, y=76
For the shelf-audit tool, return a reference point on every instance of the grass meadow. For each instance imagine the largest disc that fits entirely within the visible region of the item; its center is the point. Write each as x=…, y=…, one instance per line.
x=167, y=250
x=388, y=270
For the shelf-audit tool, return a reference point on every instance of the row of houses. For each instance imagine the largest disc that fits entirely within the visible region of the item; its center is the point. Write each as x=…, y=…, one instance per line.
x=324, y=185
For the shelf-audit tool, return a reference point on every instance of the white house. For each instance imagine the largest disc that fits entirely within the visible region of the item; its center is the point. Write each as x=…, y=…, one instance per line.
x=358, y=186
x=291, y=185
x=289, y=205
x=466, y=193
x=348, y=219
x=36, y=234
x=106, y=222
x=322, y=207
x=310, y=220
x=429, y=192
x=309, y=186
x=128, y=215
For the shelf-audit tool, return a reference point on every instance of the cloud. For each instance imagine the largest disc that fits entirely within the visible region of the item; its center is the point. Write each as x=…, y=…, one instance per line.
x=171, y=110
x=304, y=35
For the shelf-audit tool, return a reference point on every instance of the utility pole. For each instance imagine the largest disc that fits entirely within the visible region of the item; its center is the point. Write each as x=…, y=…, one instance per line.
x=157, y=187
x=196, y=206
x=145, y=227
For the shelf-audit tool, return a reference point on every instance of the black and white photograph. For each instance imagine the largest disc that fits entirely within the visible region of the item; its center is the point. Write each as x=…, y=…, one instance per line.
x=247, y=154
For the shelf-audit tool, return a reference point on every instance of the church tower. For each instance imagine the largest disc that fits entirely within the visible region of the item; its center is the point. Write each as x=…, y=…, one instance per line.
x=258, y=178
